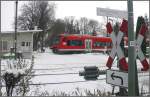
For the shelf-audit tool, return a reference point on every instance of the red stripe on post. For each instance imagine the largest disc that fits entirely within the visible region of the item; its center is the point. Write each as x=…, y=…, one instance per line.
x=143, y=29
x=124, y=26
x=145, y=65
x=123, y=64
x=109, y=28
x=109, y=62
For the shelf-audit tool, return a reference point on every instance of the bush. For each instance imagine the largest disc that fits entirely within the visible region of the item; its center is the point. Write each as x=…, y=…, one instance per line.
x=17, y=72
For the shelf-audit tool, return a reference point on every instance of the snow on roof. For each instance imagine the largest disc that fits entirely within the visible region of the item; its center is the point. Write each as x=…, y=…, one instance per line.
x=22, y=31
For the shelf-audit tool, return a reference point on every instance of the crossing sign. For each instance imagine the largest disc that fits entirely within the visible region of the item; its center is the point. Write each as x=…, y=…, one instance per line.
x=116, y=77
x=116, y=49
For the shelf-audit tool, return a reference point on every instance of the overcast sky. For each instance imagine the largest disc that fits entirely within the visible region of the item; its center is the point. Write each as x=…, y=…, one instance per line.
x=73, y=8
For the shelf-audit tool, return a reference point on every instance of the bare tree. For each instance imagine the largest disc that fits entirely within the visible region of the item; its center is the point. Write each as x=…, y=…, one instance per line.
x=69, y=24
x=58, y=28
x=37, y=13
x=77, y=27
x=84, y=24
x=93, y=24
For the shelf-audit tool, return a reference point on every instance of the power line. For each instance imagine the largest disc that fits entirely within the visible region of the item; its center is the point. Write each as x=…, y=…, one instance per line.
x=67, y=74
x=50, y=74
x=54, y=74
x=75, y=64
x=139, y=72
x=61, y=82
x=61, y=68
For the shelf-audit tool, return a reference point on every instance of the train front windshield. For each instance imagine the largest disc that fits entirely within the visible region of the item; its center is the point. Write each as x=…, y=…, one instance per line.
x=56, y=40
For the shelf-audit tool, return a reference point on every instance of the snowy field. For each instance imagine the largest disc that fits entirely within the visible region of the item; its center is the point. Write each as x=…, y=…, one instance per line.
x=65, y=68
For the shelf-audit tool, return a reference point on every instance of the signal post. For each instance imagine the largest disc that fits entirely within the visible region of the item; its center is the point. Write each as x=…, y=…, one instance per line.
x=132, y=70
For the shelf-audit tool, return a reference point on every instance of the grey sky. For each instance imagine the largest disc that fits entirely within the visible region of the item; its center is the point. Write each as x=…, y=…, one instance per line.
x=74, y=8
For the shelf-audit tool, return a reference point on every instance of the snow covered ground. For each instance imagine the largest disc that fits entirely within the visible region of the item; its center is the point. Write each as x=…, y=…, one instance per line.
x=72, y=63
x=49, y=63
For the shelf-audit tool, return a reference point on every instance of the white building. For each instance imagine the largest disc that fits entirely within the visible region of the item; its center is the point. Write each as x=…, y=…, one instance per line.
x=24, y=42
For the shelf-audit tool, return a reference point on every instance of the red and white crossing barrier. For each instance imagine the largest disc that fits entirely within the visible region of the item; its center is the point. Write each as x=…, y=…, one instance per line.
x=139, y=52
x=116, y=50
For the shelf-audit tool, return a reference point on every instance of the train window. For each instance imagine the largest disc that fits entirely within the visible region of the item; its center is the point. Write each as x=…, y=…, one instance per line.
x=98, y=44
x=74, y=43
x=103, y=44
x=109, y=44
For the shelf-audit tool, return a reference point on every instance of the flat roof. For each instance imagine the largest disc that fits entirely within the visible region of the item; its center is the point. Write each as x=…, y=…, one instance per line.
x=22, y=31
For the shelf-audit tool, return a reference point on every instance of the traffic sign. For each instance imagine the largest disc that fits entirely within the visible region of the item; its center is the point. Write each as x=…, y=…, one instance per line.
x=132, y=43
x=116, y=49
x=116, y=77
x=112, y=13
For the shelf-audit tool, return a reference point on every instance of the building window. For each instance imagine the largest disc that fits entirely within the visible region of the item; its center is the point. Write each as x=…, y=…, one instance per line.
x=27, y=43
x=4, y=45
x=0, y=45
x=23, y=44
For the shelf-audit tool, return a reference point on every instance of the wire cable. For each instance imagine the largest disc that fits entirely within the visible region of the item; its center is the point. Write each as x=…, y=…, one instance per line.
x=53, y=74
x=60, y=82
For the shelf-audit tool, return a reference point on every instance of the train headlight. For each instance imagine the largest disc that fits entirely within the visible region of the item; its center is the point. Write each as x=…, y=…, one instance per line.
x=64, y=43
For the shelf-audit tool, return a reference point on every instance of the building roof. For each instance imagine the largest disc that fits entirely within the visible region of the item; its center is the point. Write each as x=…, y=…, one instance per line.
x=23, y=31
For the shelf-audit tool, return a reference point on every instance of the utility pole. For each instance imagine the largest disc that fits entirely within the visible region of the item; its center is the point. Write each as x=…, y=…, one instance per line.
x=148, y=25
x=149, y=48
x=16, y=29
x=0, y=56
x=107, y=22
x=132, y=70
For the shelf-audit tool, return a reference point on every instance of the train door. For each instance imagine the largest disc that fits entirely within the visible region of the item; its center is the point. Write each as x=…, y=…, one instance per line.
x=88, y=45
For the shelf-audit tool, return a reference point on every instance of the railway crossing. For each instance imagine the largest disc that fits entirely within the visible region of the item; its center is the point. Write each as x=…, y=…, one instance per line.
x=116, y=50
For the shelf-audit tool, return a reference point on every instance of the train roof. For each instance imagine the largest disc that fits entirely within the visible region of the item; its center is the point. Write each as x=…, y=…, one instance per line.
x=84, y=36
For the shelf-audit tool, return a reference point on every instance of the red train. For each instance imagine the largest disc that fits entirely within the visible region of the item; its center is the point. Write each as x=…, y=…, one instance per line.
x=81, y=43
